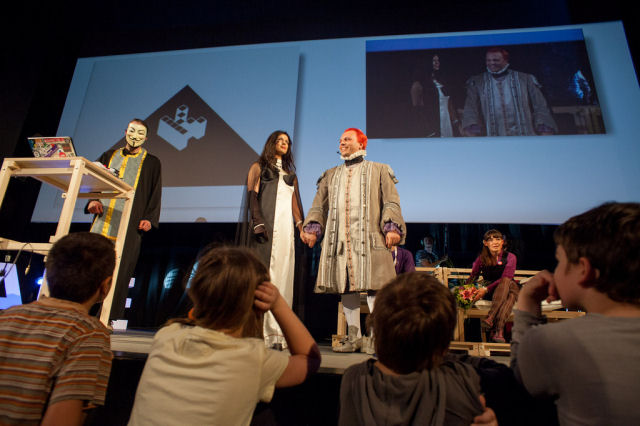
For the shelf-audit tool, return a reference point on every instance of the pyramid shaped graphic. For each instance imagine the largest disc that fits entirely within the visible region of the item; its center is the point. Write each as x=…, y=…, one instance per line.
x=219, y=157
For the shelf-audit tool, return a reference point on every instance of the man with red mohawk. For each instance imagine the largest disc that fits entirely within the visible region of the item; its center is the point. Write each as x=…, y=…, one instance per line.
x=357, y=211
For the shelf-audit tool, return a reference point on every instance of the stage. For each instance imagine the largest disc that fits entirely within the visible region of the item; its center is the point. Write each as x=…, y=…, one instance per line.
x=135, y=344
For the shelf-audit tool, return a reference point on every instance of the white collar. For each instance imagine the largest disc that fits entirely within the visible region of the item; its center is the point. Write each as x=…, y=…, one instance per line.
x=498, y=72
x=359, y=153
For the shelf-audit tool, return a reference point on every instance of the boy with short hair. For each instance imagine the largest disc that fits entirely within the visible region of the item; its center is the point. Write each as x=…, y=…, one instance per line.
x=55, y=359
x=413, y=381
x=589, y=365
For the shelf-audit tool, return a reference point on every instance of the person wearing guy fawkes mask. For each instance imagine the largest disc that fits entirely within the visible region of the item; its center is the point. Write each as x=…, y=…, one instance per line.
x=142, y=171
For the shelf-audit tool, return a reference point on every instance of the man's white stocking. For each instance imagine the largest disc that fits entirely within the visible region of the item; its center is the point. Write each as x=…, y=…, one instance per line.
x=351, y=309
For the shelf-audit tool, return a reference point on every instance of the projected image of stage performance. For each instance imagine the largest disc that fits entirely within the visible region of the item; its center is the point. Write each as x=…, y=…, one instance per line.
x=515, y=84
x=336, y=213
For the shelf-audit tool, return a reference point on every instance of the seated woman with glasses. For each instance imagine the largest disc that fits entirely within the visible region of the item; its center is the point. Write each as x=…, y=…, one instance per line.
x=497, y=267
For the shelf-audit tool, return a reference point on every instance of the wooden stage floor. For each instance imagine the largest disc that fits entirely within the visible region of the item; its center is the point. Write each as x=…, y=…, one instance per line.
x=136, y=344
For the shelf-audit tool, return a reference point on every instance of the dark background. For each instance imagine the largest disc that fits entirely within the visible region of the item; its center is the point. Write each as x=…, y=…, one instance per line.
x=42, y=42
x=390, y=75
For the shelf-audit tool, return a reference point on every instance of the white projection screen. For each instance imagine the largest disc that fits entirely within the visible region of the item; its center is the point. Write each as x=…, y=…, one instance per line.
x=231, y=98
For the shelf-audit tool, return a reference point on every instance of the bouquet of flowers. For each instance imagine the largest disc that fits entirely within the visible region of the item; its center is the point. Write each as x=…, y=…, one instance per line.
x=465, y=294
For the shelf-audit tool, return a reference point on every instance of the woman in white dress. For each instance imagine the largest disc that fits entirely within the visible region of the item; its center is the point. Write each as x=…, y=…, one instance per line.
x=274, y=210
x=431, y=98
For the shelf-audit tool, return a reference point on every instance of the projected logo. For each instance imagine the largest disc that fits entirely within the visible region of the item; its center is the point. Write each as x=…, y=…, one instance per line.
x=195, y=145
x=179, y=129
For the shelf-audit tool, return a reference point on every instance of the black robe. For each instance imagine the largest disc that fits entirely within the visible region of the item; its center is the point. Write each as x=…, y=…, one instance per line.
x=146, y=206
x=266, y=197
x=261, y=246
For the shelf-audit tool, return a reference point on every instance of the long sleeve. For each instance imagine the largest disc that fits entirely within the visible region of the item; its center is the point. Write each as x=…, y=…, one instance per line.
x=391, y=211
x=320, y=206
x=471, y=114
x=104, y=160
x=154, y=201
x=253, y=188
x=541, y=113
x=523, y=323
x=510, y=268
x=296, y=204
x=508, y=272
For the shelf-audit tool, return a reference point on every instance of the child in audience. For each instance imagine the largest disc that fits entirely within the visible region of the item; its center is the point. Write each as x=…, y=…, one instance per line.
x=589, y=365
x=413, y=381
x=55, y=359
x=213, y=368
x=497, y=267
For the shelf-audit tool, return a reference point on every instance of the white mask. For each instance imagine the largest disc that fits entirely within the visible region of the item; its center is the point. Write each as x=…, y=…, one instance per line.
x=136, y=134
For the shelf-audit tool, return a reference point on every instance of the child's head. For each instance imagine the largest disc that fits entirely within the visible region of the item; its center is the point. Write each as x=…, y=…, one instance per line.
x=223, y=287
x=413, y=321
x=77, y=264
x=608, y=236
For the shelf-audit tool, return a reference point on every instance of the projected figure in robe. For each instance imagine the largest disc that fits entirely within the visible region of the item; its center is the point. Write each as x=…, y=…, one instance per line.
x=357, y=212
x=142, y=171
x=504, y=102
x=273, y=210
x=430, y=98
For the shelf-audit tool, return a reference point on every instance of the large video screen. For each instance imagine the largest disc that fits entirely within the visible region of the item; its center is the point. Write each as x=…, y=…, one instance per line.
x=516, y=84
x=518, y=126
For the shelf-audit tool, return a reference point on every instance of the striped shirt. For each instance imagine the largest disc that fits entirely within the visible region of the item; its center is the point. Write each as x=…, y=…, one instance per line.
x=51, y=350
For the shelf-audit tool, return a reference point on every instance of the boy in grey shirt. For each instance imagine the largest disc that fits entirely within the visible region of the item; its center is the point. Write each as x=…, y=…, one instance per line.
x=589, y=365
x=413, y=381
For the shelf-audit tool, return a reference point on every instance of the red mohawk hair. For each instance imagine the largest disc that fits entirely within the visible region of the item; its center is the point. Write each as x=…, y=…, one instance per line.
x=362, y=138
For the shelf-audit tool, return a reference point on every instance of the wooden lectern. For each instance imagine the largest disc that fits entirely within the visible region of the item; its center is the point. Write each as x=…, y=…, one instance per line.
x=76, y=177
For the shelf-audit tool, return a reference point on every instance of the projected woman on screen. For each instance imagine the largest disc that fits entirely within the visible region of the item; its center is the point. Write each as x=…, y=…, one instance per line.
x=497, y=267
x=431, y=96
x=272, y=208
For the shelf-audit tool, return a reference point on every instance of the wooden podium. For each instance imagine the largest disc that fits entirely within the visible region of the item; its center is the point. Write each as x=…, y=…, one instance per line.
x=77, y=178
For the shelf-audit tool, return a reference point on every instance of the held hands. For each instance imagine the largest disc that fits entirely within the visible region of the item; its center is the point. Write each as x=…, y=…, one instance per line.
x=95, y=207
x=267, y=295
x=144, y=225
x=541, y=287
x=392, y=239
x=308, y=238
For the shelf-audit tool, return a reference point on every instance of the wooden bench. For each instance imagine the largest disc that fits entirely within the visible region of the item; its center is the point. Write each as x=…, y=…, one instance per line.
x=481, y=348
x=364, y=307
x=553, y=312
x=446, y=276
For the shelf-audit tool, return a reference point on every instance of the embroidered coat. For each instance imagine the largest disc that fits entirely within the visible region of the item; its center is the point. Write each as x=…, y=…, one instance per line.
x=523, y=107
x=353, y=245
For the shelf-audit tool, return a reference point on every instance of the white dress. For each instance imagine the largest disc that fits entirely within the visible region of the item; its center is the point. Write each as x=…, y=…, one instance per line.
x=282, y=262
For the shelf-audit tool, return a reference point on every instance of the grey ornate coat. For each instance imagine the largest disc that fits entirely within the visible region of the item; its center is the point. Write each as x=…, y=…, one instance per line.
x=524, y=107
x=353, y=204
